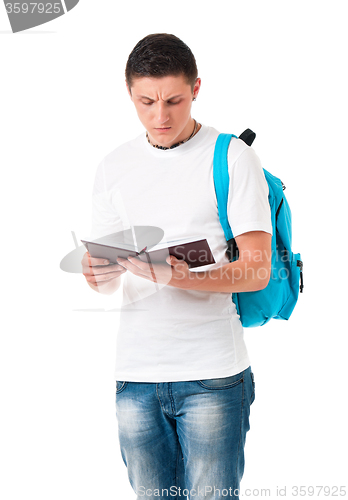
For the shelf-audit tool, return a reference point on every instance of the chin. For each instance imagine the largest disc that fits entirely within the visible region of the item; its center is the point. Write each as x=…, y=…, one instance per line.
x=165, y=138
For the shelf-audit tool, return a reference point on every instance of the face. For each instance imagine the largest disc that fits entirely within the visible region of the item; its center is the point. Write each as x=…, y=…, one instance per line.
x=164, y=107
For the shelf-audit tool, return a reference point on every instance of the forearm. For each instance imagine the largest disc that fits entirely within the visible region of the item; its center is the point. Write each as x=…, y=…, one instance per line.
x=238, y=276
x=249, y=273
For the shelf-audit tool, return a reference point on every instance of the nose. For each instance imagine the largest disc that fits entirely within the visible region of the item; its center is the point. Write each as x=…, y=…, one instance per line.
x=162, y=112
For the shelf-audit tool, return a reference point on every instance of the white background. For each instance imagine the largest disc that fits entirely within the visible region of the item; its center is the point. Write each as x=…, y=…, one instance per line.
x=277, y=67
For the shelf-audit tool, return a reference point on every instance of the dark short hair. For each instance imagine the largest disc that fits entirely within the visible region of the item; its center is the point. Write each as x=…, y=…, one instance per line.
x=160, y=55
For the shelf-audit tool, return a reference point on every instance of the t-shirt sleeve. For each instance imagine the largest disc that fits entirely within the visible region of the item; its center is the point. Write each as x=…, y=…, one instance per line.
x=248, y=206
x=106, y=207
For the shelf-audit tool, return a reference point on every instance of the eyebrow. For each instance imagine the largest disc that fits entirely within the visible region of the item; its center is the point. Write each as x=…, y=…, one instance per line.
x=150, y=99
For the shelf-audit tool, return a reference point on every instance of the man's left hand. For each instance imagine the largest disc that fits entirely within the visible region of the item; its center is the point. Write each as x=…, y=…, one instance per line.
x=174, y=273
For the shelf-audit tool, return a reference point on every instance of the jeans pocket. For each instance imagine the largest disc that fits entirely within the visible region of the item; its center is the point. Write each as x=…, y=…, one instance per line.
x=222, y=383
x=120, y=386
x=253, y=388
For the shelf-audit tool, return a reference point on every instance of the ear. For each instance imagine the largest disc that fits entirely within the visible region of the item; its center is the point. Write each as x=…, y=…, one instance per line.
x=196, y=87
x=129, y=91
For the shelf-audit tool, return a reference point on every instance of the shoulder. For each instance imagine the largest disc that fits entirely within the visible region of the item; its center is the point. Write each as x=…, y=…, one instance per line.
x=242, y=159
x=124, y=151
x=120, y=158
x=240, y=151
x=117, y=161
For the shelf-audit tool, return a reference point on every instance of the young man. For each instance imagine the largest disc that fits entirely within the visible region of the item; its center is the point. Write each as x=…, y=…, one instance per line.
x=184, y=382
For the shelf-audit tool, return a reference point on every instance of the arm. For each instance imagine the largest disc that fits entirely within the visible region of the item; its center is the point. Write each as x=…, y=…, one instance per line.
x=100, y=276
x=250, y=272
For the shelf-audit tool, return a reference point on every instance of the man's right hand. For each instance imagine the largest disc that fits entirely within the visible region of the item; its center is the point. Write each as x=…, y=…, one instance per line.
x=100, y=275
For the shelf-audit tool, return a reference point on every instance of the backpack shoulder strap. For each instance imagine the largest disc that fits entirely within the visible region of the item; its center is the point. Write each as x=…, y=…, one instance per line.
x=221, y=180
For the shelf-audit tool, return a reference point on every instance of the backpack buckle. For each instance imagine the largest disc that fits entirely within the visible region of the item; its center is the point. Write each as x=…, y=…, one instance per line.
x=300, y=265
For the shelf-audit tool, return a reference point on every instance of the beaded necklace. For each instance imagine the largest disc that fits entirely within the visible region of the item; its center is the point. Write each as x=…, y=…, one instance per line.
x=178, y=143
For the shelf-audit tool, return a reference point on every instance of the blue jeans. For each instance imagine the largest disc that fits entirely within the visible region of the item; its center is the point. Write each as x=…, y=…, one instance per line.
x=185, y=439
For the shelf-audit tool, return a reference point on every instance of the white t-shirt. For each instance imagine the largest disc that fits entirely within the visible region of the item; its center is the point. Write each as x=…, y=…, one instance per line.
x=167, y=334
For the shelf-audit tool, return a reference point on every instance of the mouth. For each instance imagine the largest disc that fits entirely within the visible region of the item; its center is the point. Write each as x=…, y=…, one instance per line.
x=162, y=129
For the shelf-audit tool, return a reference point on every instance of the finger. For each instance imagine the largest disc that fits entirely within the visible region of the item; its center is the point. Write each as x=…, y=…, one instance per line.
x=131, y=265
x=94, y=261
x=87, y=260
x=96, y=270
x=101, y=278
x=143, y=271
x=144, y=266
x=177, y=263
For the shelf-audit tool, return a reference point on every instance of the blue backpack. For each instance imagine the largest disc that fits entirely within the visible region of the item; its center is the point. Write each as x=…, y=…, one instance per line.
x=279, y=297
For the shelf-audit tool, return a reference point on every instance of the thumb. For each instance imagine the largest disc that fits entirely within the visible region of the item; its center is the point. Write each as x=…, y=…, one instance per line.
x=177, y=262
x=172, y=260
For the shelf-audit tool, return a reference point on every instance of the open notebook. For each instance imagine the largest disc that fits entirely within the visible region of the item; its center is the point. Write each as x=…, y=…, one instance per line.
x=194, y=250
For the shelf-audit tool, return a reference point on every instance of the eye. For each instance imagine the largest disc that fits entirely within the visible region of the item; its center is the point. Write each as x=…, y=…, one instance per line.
x=174, y=102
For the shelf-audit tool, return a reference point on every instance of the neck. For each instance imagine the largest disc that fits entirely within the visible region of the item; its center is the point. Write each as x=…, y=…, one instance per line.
x=190, y=130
